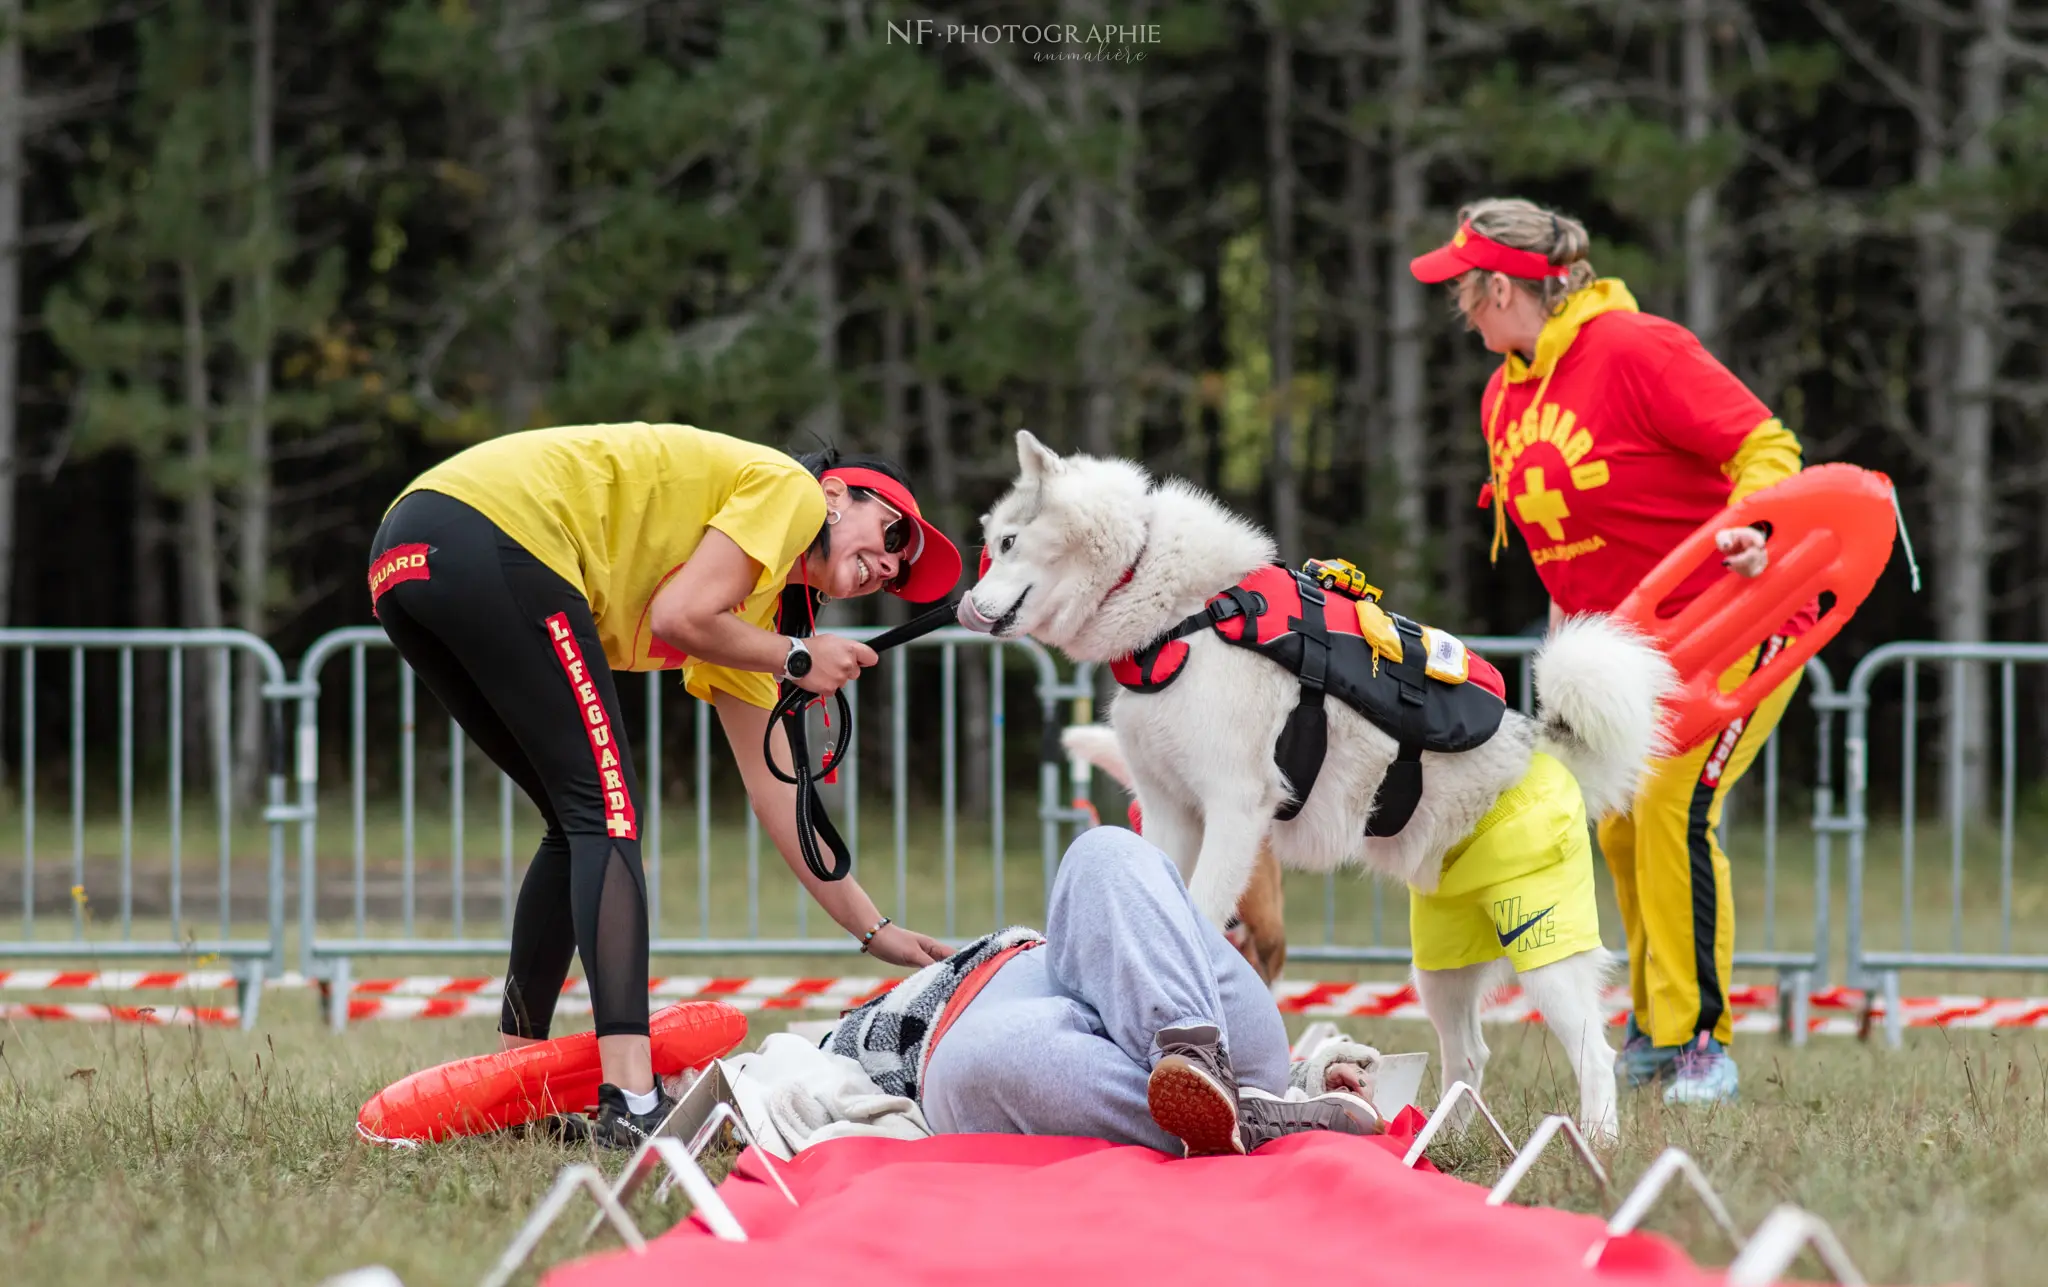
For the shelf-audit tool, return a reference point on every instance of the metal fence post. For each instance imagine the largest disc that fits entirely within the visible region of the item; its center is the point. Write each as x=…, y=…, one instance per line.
x=1855, y=819
x=1823, y=702
x=306, y=753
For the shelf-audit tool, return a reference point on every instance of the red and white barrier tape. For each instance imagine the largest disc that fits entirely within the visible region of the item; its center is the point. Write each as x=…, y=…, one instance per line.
x=1833, y=1007
x=756, y=994
x=767, y=992
x=1398, y=1001
x=1837, y=1011
x=161, y=1016
x=112, y=980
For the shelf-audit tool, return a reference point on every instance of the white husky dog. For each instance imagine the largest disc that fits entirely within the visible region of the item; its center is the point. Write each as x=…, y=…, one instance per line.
x=1091, y=557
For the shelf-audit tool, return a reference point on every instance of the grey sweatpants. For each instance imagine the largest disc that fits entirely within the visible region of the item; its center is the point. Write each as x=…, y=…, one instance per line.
x=1060, y=1041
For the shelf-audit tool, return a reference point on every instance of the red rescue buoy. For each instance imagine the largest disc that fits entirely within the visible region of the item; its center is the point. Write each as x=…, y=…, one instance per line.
x=490, y=1092
x=1832, y=528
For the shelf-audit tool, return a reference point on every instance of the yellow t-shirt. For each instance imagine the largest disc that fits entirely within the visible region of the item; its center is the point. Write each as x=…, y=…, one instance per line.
x=616, y=510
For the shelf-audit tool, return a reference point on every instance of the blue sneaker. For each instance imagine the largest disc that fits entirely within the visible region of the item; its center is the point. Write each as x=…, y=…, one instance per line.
x=1641, y=1063
x=1705, y=1075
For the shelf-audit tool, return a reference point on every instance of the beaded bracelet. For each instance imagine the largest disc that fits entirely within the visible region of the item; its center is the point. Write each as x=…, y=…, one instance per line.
x=869, y=937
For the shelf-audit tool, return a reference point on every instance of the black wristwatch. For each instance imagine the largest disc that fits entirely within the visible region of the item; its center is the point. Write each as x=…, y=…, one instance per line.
x=798, y=663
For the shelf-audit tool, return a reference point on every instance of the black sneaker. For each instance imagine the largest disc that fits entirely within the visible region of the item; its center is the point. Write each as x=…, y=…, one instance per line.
x=556, y=1128
x=620, y=1127
x=1193, y=1092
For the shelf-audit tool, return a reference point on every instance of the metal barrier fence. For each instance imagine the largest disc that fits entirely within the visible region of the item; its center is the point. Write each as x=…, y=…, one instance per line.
x=1965, y=788
x=324, y=953
x=251, y=943
x=388, y=902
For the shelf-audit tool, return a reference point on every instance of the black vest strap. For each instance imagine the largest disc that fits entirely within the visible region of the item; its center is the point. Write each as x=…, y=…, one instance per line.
x=1234, y=602
x=1401, y=790
x=1305, y=738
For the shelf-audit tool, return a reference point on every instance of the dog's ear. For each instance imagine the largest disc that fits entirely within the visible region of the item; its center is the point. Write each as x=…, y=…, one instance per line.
x=1035, y=461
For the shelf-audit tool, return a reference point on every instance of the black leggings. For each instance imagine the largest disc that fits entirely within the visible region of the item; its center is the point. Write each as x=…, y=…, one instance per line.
x=510, y=649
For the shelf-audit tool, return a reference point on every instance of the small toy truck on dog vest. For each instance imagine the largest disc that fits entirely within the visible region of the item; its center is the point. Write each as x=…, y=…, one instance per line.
x=1325, y=625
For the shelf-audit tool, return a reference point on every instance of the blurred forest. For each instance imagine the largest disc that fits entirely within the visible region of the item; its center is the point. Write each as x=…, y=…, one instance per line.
x=263, y=260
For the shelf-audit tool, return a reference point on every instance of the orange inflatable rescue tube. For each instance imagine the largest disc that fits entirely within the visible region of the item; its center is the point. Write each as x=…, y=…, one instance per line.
x=490, y=1092
x=1832, y=528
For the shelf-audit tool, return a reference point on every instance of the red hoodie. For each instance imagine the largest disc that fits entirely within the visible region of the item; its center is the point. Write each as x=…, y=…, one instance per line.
x=1619, y=441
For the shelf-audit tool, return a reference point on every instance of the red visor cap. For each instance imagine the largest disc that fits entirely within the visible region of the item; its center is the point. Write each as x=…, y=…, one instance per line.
x=934, y=562
x=1469, y=250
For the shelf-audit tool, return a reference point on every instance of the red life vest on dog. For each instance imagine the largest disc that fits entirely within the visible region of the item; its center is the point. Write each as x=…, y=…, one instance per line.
x=1426, y=691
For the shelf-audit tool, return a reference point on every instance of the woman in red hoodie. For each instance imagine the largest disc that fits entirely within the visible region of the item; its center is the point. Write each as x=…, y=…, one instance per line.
x=1612, y=436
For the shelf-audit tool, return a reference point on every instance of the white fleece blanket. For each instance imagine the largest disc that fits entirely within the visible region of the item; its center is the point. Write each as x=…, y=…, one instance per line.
x=794, y=1095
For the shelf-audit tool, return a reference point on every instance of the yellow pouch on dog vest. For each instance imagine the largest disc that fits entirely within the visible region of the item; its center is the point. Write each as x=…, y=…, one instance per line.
x=1378, y=629
x=1446, y=659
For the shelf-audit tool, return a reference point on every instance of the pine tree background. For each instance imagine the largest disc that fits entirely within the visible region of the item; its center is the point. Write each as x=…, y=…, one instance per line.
x=265, y=260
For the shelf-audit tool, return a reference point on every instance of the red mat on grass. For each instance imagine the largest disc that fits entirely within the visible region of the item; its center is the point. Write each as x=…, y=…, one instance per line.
x=1006, y=1208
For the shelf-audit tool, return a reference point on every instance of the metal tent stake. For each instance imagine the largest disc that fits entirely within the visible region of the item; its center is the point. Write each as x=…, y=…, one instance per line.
x=581, y=1175
x=1525, y=1161
x=1438, y=1119
x=1671, y=1163
x=1777, y=1242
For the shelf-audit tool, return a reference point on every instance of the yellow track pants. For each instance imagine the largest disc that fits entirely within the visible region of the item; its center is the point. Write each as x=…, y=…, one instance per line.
x=1671, y=876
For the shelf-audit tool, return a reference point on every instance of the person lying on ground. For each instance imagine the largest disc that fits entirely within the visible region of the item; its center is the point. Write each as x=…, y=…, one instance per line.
x=1130, y=1019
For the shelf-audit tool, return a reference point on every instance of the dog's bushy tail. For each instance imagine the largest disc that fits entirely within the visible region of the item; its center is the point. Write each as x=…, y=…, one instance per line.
x=1096, y=744
x=1600, y=688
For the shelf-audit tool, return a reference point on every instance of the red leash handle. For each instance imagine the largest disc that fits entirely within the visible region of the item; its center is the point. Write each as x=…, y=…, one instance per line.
x=1832, y=528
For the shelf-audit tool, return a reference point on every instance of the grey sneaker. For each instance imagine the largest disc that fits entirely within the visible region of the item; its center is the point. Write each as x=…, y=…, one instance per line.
x=1266, y=1118
x=1193, y=1092
x=1705, y=1075
x=619, y=1126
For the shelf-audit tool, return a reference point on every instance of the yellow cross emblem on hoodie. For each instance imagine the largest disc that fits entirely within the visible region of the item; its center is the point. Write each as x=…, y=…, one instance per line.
x=1541, y=506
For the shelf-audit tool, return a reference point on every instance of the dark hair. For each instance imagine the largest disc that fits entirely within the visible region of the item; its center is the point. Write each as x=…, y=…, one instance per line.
x=795, y=612
x=832, y=458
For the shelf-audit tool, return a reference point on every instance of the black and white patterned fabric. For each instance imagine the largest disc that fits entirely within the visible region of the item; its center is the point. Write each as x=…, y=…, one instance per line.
x=891, y=1035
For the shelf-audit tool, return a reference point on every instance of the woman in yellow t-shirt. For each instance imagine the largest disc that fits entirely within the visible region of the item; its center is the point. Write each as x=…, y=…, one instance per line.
x=518, y=575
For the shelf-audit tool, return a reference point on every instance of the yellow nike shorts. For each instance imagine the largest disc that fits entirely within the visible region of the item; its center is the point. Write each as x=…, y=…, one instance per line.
x=1520, y=886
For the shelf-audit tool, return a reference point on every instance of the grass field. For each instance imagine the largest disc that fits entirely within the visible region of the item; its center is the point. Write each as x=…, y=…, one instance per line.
x=131, y=1155
x=186, y=1156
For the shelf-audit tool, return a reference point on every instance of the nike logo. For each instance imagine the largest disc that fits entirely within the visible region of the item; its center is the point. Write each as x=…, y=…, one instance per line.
x=1507, y=939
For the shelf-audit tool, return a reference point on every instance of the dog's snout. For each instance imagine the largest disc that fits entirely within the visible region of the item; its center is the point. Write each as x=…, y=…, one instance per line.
x=970, y=616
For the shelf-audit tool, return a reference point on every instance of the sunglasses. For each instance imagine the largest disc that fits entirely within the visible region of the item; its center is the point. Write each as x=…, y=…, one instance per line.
x=895, y=540
x=896, y=536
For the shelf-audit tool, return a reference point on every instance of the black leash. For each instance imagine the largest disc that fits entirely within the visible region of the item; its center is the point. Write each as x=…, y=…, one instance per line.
x=811, y=819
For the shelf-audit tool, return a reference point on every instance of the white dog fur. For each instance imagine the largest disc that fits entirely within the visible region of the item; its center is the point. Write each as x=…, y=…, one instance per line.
x=1200, y=752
